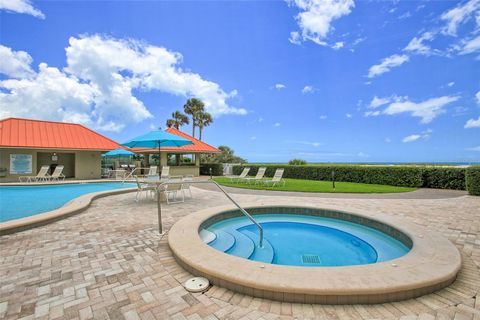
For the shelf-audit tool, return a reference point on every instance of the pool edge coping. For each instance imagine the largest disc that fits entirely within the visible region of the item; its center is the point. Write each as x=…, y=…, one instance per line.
x=70, y=208
x=432, y=263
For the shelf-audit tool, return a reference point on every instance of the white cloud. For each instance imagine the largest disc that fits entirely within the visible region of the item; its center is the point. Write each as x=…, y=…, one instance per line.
x=96, y=88
x=474, y=149
x=386, y=64
x=276, y=124
x=21, y=6
x=338, y=45
x=49, y=94
x=417, y=45
x=425, y=135
x=478, y=97
x=470, y=46
x=377, y=102
x=411, y=138
x=388, y=140
x=472, y=123
x=308, y=89
x=450, y=84
x=96, y=58
x=323, y=117
x=458, y=15
x=372, y=113
x=15, y=64
x=280, y=86
x=348, y=115
x=253, y=138
x=426, y=110
x=315, y=19
x=308, y=143
x=405, y=15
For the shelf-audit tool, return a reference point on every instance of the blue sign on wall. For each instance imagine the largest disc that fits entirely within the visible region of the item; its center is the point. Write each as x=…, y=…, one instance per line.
x=20, y=163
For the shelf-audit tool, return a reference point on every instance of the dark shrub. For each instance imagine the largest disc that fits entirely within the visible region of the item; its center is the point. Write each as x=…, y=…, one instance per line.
x=297, y=162
x=472, y=180
x=217, y=169
x=402, y=176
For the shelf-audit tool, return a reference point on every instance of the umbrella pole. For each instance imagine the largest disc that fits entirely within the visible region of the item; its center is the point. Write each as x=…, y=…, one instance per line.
x=159, y=205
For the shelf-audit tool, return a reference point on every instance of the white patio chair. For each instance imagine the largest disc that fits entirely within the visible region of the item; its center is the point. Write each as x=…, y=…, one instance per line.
x=172, y=191
x=144, y=187
x=258, y=178
x=165, y=175
x=277, y=178
x=186, y=185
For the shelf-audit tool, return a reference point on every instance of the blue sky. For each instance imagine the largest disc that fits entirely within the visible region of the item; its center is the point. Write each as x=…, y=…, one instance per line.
x=325, y=81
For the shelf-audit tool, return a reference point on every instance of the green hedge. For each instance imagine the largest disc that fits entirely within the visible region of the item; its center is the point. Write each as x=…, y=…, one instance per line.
x=217, y=169
x=402, y=176
x=472, y=180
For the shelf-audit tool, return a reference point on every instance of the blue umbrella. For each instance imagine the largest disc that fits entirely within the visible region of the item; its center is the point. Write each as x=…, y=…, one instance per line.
x=157, y=139
x=118, y=152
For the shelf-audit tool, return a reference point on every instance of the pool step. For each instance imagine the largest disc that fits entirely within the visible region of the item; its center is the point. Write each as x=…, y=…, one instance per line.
x=223, y=240
x=265, y=254
x=243, y=246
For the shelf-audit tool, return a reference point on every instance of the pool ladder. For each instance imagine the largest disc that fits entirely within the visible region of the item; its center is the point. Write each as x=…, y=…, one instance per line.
x=243, y=211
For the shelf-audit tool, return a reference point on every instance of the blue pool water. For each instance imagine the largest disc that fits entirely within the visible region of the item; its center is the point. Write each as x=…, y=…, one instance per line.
x=23, y=201
x=300, y=240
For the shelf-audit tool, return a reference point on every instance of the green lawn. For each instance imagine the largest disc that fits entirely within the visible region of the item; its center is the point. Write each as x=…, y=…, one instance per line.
x=317, y=186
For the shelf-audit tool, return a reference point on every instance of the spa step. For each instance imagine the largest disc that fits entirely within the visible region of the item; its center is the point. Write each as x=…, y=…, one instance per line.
x=207, y=236
x=243, y=246
x=264, y=254
x=223, y=240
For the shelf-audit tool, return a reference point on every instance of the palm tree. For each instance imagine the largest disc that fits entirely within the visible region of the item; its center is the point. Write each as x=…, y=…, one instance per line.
x=178, y=120
x=194, y=107
x=204, y=120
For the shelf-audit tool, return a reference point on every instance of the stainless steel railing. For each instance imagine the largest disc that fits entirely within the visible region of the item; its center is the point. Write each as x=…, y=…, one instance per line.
x=243, y=211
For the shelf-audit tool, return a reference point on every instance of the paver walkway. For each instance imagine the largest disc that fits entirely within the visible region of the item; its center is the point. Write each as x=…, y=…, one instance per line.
x=109, y=262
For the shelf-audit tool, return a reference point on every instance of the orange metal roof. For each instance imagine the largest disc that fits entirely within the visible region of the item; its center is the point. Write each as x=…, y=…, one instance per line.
x=27, y=133
x=197, y=146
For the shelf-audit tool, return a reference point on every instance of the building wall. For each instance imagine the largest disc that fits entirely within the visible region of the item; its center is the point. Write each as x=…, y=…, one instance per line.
x=88, y=165
x=79, y=164
x=184, y=171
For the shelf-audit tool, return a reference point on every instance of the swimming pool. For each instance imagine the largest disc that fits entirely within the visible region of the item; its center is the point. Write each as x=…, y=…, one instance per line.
x=302, y=240
x=22, y=201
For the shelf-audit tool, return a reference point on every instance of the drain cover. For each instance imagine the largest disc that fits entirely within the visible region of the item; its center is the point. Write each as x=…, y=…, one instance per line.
x=197, y=284
x=310, y=258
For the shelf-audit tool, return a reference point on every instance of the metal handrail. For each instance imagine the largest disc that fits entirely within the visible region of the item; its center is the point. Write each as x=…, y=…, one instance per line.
x=245, y=213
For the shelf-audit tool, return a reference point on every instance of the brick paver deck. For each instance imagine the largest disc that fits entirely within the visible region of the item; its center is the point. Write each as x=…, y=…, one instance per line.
x=109, y=262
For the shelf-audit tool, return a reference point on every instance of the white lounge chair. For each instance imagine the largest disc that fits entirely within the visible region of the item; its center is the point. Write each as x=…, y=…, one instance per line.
x=258, y=177
x=165, y=175
x=277, y=178
x=241, y=176
x=57, y=174
x=144, y=187
x=42, y=175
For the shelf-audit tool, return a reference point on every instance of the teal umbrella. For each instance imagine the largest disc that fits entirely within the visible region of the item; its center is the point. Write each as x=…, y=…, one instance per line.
x=157, y=139
x=119, y=152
